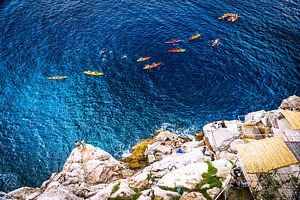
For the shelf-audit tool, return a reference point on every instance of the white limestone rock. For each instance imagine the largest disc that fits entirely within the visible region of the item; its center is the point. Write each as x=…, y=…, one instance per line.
x=192, y=196
x=234, y=144
x=188, y=176
x=93, y=166
x=164, y=194
x=254, y=117
x=213, y=192
x=174, y=161
x=104, y=193
x=227, y=156
x=220, y=138
x=140, y=180
x=189, y=146
x=123, y=191
x=24, y=193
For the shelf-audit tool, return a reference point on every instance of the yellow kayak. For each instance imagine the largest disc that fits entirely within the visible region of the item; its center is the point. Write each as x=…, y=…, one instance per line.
x=93, y=73
x=57, y=78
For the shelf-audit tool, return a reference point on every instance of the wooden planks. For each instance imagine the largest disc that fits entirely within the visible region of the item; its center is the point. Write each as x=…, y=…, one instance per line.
x=265, y=155
x=293, y=118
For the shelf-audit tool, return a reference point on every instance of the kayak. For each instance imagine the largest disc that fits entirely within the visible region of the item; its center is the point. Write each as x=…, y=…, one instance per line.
x=57, y=78
x=176, y=50
x=195, y=36
x=93, y=73
x=216, y=42
x=152, y=66
x=143, y=59
x=173, y=41
x=232, y=17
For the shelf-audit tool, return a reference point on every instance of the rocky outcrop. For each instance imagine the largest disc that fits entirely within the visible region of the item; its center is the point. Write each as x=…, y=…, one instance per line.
x=167, y=166
x=192, y=196
x=220, y=138
x=291, y=103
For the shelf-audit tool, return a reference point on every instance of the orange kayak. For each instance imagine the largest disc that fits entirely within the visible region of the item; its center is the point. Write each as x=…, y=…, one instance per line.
x=195, y=36
x=176, y=50
x=232, y=17
x=152, y=66
x=143, y=59
x=216, y=42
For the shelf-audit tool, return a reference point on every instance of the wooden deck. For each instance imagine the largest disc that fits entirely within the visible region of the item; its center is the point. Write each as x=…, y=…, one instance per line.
x=293, y=118
x=265, y=155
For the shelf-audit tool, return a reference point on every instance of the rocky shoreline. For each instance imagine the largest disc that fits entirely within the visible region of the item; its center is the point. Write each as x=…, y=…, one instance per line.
x=167, y=166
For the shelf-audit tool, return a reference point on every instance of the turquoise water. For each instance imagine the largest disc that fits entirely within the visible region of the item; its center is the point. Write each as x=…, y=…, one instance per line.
x=254, y=67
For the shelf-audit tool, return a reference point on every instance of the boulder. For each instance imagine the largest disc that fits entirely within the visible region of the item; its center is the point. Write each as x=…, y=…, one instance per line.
x=157, y=151
x=189, y=175
x=24, y=193
x=163, y=194
x=193, y=196
x=174, y=161
x=213, y=192
x=227, y=156
x=254, y=117
x=189, y=146
x=291, y=103
x=163, y=135
x=219, y=139
x=93, y=166
x=104, y=193
x=140, y=180
x=61, y=193
x=164, y=144
x=123, y=191
x=234, y=144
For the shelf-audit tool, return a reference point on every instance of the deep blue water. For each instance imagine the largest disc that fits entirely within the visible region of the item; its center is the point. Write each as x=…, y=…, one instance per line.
x=255, y=66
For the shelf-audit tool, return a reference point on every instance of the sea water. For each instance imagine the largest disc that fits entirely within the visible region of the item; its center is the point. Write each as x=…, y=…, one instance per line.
x=254, y=67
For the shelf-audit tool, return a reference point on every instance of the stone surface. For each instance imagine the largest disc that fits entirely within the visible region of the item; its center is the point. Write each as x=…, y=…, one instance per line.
x=61, y=193
x=227, y=156
x=219, y=139
x=93, y=166
x=140, y=180
x=254, y=117
x=163, y=194
x=188, y=176
x=24, y=193
x=123, y=191
x=234, y=144
x=213, y=192
x=164, y=144
x=291, y=103
x=104, y=193
x=174, y=161
x=193, y=196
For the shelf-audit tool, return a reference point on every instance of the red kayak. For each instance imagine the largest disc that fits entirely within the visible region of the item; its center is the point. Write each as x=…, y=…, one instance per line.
x=152, y=66
x=173, y=41
x=216, y=42
x=176, y=50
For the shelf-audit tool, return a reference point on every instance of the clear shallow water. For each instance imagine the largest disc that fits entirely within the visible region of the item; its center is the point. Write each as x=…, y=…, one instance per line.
x=255, y=67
